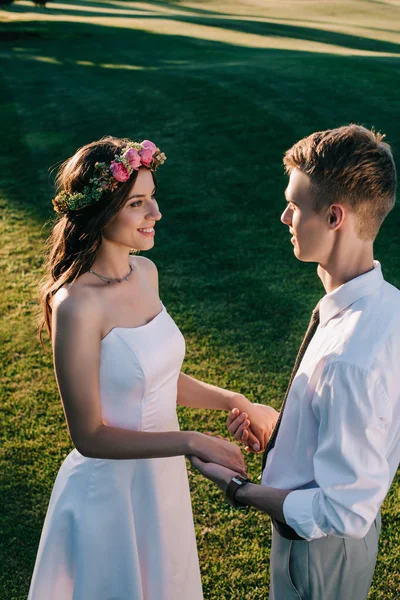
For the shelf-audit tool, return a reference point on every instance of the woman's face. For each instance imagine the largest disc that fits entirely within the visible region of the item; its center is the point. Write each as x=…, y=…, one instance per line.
x=133, y=225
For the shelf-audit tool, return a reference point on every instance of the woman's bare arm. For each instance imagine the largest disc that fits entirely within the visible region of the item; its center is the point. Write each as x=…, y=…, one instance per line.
x=198, y=394
x=76, y=348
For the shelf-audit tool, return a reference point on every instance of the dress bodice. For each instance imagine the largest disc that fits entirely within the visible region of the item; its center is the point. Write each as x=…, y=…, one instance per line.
x=139, y=370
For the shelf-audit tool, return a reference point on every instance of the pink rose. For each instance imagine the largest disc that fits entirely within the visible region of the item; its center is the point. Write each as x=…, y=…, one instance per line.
x=146, y=156
x=119, y=172
x=146, y=144
x=133, y=158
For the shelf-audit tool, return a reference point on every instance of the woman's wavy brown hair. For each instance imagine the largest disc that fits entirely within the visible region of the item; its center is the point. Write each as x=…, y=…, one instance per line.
x=76, y=237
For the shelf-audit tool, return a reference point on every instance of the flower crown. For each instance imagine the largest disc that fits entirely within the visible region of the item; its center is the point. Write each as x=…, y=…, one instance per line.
x=108, y=177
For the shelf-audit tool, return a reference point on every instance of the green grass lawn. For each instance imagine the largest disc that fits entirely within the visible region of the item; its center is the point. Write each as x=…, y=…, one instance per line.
x=223, y=88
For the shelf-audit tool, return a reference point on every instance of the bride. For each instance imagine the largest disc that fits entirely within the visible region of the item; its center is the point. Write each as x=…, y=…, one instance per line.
x=119, y=523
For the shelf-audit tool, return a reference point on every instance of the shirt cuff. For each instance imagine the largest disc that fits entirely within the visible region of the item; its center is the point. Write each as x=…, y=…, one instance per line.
x=299, y=514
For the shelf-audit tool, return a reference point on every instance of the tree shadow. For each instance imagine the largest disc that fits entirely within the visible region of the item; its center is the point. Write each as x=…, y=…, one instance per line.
x=193, y=84
x=265, y=28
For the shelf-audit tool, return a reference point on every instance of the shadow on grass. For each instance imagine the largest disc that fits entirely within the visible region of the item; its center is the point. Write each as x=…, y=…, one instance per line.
x=180, y=5
x=239, y=25
x=222, y=204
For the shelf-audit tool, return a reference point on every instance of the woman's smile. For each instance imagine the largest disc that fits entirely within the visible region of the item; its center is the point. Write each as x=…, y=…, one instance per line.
x=147, y=231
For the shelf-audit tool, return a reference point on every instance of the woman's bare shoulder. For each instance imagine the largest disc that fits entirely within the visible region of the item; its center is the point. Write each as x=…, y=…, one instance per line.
x=72, y=294
x=147, y=268
x=142, y=262
x=75, y=303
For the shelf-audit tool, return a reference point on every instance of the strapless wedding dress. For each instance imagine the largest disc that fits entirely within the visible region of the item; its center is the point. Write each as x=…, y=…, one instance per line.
x=123, y=529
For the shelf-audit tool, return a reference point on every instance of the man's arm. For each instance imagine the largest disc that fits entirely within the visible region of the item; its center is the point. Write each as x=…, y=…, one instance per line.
x=269, y=500
x=350, y=466
x=351, y=471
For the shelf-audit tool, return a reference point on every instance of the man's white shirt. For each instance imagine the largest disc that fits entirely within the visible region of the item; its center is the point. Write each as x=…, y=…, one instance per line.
x=338, y=446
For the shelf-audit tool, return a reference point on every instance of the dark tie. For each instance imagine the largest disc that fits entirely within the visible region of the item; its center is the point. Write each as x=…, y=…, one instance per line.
x=312, y=328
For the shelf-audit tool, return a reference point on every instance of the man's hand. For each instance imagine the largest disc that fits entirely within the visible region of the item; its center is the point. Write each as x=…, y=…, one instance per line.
x=268, y=500
x=216, y=473
x=254, y=427
x=215, y=449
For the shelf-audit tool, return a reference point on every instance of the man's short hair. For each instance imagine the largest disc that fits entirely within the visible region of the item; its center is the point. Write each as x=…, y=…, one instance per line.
x=349, y=165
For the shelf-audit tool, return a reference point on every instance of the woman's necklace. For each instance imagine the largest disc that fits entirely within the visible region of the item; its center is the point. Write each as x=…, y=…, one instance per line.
x=116, y=279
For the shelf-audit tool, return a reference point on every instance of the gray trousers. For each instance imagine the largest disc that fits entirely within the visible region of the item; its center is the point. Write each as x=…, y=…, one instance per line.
x=329, y=568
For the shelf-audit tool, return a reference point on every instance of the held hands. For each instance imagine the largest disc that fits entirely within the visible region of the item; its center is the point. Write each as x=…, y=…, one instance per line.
x=219, y=460
x=215, y=449
x=217, y=473
x=253, y=427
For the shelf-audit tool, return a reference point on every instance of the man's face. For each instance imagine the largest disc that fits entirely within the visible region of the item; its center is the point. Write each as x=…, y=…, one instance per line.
x=310, y=232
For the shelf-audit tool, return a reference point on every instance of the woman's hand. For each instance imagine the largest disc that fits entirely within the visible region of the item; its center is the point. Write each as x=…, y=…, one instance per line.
x=216, y=473
x=212, y=449
x=256, y=424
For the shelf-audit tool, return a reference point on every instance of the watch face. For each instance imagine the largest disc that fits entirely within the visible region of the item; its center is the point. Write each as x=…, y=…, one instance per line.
x=239, y=479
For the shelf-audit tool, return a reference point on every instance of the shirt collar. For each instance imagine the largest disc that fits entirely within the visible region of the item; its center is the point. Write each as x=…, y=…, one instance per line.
x=348, y=293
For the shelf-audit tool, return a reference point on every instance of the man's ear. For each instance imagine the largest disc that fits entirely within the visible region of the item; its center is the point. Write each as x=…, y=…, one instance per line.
x=336, y=215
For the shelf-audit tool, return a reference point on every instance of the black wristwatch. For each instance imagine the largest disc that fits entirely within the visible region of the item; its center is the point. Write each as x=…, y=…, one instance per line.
x=235, y=483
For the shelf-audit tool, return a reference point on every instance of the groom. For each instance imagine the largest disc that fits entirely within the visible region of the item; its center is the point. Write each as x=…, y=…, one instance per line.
x=336, y=445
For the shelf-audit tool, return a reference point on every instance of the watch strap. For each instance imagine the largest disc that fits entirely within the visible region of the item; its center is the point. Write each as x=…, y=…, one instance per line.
x=231, y=490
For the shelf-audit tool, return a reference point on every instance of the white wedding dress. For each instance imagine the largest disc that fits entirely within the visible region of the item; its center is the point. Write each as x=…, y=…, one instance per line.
x=123, y=529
